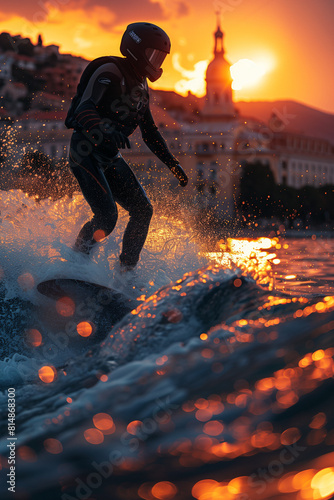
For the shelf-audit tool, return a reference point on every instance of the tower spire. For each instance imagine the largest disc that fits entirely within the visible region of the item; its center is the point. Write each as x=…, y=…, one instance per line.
x=219, y=48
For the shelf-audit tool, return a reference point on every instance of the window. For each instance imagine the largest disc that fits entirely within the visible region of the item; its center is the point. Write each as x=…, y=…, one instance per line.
x=212, y=173
x=202, y=147
x=200, y=183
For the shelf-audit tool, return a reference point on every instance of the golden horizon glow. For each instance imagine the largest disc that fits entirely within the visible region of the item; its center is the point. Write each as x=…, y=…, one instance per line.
x=247, y=73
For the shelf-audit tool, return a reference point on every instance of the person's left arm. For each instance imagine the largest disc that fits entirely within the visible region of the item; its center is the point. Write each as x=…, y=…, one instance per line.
x=157, y=144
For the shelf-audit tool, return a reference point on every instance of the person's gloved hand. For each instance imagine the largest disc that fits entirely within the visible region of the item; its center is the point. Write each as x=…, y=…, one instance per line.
x=180, y=174
x=119, y=139
x=115, y=136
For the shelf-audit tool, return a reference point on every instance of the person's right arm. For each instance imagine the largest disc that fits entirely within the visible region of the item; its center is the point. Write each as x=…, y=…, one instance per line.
x=157, y=144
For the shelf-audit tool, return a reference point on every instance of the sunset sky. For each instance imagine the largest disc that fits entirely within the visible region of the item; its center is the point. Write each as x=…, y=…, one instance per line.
x=288, y=43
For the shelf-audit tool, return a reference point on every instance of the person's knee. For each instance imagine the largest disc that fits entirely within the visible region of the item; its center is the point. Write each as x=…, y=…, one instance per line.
x=142, y=212
x=148, y=211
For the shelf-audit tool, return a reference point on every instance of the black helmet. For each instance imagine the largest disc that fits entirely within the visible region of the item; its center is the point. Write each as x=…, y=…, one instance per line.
x=146, y=45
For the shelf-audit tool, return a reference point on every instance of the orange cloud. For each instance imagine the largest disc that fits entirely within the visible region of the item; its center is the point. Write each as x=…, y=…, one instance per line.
x=193, y=80
x=37, y=11
x=73, y=30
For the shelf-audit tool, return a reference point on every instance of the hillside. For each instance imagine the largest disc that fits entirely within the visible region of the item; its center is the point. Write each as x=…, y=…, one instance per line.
x=296, y=116
x=299, y=117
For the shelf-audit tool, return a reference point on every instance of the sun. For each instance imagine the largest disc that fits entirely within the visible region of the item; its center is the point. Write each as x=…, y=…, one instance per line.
x=247, y=73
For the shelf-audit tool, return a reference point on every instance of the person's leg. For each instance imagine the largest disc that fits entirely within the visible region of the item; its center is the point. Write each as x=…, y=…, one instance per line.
x=129, y=194
x=97, y=193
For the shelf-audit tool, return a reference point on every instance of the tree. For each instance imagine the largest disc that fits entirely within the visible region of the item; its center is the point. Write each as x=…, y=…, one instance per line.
x=260, y=196
x=258, y=190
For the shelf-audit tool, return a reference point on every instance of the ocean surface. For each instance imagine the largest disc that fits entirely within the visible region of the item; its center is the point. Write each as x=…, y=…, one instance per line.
x=213, y=381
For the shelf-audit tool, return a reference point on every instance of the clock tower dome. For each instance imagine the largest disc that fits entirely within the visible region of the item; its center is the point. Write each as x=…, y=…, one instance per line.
x=219, y=99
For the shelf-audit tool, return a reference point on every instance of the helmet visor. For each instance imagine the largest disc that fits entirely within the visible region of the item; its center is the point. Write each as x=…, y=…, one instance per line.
x=155, y=57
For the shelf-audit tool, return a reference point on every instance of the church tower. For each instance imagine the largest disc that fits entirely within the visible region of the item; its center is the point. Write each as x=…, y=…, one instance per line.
x=219, y=100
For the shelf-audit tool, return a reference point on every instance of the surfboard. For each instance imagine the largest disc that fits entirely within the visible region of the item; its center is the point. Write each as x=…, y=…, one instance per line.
x=55, y=288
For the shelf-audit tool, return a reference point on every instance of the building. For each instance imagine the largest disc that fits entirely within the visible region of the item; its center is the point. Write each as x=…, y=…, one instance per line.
x=6, y=63
x=300, y=160
x=43, y=131
x=25, y=63
x=45, y=101
x=20, y=60
x=13, y=95
x=63, y=78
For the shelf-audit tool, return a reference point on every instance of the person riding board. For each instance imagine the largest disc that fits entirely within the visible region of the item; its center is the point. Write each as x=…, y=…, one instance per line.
x=112, y=99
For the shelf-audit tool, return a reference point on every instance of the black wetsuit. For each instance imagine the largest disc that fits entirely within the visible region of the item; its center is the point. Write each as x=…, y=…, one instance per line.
x=111, y=101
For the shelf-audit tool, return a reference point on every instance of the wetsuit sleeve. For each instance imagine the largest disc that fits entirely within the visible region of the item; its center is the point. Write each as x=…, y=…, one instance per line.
x=154, y=140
